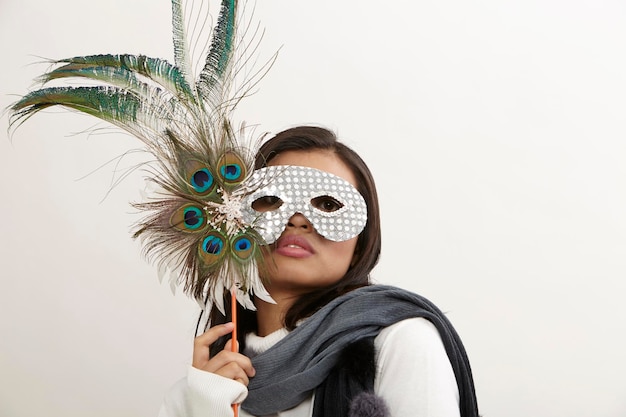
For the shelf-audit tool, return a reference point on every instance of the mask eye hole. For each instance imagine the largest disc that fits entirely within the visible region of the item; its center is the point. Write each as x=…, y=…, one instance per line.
x=267, y=203
x=326, y=203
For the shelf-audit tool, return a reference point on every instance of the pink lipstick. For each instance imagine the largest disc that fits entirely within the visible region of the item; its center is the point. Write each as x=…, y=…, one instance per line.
x=294, y=246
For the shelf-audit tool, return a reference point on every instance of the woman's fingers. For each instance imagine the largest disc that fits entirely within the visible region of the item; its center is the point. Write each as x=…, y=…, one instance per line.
x=225, y=358
x=214, y=333
x=201, y=343
x=232, y=370
x=229, y=346
x=226, y=363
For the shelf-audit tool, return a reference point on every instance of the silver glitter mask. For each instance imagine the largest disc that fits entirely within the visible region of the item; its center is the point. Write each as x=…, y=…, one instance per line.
x=331, y=204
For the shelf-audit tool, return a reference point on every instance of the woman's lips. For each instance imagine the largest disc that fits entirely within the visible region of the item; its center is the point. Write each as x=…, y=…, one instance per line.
x=294, y=247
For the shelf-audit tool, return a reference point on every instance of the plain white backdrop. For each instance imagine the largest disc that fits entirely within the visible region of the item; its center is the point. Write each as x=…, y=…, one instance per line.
x=496, y=130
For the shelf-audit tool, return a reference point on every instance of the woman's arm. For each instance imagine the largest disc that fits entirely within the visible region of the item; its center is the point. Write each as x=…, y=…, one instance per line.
x=202, y=394
x=415, y=377
x=213, y=384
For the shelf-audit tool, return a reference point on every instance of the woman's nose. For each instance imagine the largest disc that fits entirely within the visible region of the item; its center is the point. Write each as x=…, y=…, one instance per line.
x=299, y=221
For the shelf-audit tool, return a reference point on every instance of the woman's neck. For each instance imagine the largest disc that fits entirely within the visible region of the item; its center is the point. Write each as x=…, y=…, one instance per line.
x=271, y=317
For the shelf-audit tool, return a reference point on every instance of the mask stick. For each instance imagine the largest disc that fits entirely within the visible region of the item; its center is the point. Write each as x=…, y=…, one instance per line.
x=233, y=342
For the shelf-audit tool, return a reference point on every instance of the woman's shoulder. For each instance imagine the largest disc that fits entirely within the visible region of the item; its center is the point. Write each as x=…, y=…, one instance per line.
x=416, y=333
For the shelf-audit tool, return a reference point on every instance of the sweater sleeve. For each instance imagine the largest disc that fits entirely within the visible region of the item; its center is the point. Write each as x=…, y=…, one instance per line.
x=202, y=394
x=414, y=375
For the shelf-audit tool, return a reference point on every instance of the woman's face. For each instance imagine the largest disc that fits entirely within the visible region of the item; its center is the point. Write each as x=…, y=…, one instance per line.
x=301, y=260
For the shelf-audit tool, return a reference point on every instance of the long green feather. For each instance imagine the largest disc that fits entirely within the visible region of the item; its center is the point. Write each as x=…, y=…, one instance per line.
x=158, y=70
x=181, y=57
x=138, y=116
x=107, y=103
x=221, y=51
x=117, y=77
x=128, y=80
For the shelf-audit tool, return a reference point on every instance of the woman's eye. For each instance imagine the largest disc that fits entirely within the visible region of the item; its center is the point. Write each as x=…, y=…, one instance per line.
x=326, y=203
x=267, y=203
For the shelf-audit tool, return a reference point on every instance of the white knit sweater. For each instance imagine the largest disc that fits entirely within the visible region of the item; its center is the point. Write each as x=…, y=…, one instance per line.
x=414, y=378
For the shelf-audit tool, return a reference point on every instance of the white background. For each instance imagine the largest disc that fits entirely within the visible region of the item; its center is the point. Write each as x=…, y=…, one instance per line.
x=496, y=131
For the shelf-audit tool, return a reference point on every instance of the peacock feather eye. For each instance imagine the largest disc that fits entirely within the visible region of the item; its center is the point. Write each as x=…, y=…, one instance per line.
x=243, y=247
x=199, y=177
x=212, y=248
x=201, y=180
x=188, y=218
x=193, y=218
x=232, y=168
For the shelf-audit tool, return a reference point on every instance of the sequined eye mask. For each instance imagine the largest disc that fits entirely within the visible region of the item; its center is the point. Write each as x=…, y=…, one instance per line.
x=331, y=204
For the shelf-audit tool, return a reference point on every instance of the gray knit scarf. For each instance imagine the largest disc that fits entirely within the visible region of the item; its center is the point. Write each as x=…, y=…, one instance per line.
x=288, y=372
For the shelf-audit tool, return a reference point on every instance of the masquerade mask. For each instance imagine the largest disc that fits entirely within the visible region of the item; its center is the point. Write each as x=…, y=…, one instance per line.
x=206, y=224
x=331, y=204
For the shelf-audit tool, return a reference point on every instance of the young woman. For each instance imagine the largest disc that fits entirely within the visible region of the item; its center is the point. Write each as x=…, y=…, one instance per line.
x=332, y=344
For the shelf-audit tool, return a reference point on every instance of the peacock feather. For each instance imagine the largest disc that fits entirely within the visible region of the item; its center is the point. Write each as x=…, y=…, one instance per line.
x=193, y=226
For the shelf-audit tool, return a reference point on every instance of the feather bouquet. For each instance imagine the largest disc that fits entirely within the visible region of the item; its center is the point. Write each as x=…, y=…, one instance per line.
x=193, y=226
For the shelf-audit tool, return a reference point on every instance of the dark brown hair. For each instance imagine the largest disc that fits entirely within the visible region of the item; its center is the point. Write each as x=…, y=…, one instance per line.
x=367, y=251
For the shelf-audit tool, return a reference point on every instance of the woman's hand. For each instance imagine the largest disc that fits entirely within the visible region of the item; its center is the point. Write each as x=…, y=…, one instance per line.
x=231, y=365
